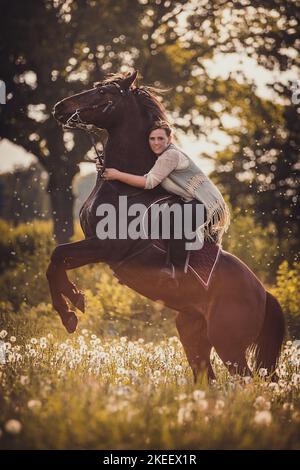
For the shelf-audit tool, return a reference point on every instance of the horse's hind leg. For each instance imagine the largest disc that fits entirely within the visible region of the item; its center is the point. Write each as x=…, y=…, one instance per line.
x=193, y=336
x=234, y=359
x=225, y=328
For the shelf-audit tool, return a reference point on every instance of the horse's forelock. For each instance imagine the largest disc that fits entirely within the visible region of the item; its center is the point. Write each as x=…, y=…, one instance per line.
x=113, y=77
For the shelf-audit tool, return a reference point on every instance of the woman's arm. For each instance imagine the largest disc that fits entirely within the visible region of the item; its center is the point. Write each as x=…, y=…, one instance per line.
x=133, y=180
x=163, y=166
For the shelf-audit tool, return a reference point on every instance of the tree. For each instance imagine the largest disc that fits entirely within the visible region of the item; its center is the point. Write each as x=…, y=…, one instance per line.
x=57, y=48
x=29, y=57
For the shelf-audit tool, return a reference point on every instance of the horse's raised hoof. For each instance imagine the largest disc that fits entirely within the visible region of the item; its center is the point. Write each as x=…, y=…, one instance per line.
x=70, y=322
x=80, y=301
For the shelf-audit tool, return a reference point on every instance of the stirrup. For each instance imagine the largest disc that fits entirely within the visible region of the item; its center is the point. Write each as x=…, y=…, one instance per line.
x=169, y=270
x=167, y=277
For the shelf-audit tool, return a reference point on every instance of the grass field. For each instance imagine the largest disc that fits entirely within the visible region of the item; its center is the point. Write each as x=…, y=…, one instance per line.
x=88, y=392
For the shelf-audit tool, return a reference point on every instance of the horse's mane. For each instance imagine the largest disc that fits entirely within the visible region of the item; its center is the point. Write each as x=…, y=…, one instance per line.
x=146, y=97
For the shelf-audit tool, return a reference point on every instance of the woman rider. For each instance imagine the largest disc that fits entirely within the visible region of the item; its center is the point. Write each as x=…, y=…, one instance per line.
x=179, y=175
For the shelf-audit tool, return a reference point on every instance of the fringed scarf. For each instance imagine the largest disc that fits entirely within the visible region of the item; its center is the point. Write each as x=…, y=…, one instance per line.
x=199, y=186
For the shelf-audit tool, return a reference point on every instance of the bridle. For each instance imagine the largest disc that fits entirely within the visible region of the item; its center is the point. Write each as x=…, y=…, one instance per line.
x=75, y=121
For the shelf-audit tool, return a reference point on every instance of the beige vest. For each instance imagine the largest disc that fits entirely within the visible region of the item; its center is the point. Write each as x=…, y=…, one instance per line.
x=199, y=186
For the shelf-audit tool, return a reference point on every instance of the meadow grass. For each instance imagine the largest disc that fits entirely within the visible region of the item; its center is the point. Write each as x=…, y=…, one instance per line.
x=112, y=392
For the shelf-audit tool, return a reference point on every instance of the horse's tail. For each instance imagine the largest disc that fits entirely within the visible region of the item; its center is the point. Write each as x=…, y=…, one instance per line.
x=269, y=342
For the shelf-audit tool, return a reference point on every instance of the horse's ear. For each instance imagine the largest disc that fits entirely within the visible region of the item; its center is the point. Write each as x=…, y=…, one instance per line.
x=128, y=81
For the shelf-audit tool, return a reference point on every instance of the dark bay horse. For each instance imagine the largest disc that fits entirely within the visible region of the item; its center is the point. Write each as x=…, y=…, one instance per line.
x=235, y=313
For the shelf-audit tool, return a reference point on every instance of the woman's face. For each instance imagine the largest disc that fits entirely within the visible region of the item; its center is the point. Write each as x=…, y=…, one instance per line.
x=159, y=140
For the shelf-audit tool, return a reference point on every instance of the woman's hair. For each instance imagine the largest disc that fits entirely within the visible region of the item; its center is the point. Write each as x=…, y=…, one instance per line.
x=161, y=125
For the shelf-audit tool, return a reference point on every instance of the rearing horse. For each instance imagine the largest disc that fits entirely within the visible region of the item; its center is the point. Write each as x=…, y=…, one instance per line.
x=233, y=314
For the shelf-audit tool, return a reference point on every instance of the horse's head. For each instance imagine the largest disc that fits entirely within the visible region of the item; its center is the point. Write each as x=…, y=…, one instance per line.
x=126, y=111
x=100, y=106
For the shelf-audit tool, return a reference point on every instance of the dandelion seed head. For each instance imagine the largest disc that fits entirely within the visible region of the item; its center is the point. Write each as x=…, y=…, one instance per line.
x=185, y=413
x=202, y=405
x=34, y=404
x=261, y=403
x=24, y=379
x=287, y=406
x=262, y=372
x=198, y=394
x=263, y=418
x=13, y=426
x=181, y=381
x=296, y=417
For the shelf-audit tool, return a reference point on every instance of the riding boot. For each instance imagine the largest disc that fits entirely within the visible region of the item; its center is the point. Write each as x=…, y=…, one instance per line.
x=167, y=275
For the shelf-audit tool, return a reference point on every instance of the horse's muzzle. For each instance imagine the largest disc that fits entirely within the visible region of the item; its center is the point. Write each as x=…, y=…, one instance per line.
x=59, y=114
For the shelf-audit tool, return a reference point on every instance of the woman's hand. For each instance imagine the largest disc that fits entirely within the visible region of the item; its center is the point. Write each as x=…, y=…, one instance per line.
x=111, y=174
x=98, y=166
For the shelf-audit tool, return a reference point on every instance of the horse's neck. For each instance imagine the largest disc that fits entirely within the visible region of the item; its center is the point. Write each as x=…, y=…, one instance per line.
x=127, y=150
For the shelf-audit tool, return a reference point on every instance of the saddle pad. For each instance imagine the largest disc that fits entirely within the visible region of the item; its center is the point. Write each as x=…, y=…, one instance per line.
x=201, y=262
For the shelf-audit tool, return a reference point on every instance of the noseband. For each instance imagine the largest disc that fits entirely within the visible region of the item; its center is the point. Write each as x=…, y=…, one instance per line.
x=75, y=121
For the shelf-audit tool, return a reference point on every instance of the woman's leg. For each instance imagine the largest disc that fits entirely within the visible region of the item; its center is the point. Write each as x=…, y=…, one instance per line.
x=178, y=252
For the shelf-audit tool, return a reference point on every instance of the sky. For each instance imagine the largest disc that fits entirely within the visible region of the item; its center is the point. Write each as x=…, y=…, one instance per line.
x=12, y=155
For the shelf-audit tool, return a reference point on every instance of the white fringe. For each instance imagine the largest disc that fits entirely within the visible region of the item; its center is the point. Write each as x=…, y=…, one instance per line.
x=218, y=214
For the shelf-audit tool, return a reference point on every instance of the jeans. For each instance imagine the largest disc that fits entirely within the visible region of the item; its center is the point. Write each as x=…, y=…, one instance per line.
x=176, y=248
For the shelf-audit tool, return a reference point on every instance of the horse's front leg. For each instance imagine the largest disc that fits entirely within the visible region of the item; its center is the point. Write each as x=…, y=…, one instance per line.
x=74, y=255
x=54, y=273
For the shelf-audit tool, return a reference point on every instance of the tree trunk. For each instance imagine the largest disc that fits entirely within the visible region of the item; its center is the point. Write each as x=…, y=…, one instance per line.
x=62, y=203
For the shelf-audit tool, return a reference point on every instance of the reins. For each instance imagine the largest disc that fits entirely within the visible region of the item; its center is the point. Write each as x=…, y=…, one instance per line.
x=75, y=121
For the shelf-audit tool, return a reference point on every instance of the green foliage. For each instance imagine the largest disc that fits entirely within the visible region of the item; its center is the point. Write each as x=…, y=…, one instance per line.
x=257, y=246
x=25, y=254
x=23, y=195
x=287, y=291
